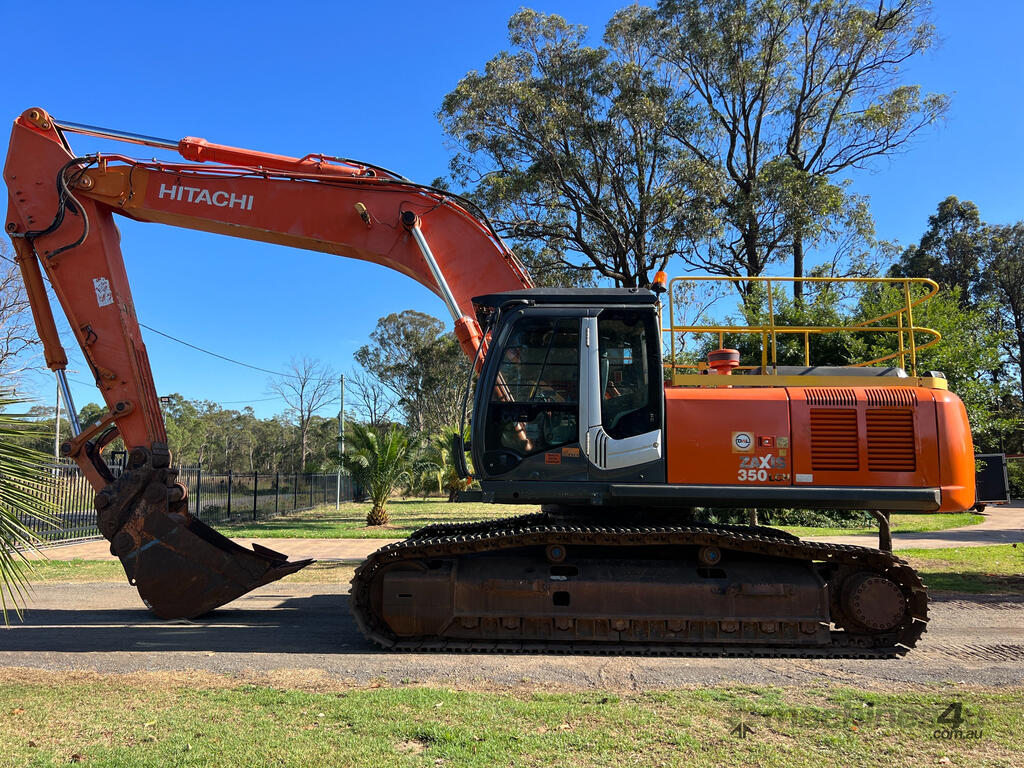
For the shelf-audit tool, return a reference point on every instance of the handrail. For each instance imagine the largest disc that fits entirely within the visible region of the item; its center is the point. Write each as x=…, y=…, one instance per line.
x=904, y=329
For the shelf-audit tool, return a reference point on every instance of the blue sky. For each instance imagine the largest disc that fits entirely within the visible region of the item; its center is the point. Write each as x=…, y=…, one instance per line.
x=365, y=80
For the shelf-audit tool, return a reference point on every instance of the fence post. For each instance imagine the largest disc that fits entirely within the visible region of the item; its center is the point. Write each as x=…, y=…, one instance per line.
x=310, y=481
x=229, y=494
x=295, y=490
x=199, y=490
x=255, y=488
x=277, y=492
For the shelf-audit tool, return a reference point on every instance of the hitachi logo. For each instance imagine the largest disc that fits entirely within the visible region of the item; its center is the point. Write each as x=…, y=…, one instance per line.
x=219, y=199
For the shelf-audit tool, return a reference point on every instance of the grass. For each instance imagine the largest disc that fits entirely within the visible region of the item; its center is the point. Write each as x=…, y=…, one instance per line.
x=114, y=721
x=993, y=569
x=899, y=524
x=349, y=521
x=93, y=571
x=75, y=571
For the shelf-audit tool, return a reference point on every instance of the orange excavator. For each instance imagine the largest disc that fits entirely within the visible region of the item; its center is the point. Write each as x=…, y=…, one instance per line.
x=572, y=412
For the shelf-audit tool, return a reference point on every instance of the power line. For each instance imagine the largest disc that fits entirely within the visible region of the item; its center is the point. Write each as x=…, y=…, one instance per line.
x=219, y=402
x=206, y=352
x=214, y=354
x=261, y=400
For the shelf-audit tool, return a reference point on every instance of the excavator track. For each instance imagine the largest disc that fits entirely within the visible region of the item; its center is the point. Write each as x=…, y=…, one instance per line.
x=870, y=604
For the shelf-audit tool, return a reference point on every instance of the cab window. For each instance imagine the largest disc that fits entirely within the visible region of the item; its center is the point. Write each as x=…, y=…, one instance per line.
x=625, y=348
x=535, y=400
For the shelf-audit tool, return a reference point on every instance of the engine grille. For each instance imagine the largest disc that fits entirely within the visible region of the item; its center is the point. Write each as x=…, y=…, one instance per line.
x=834, y=444
x=891, y=441
x=831, y=396
x=892, y=397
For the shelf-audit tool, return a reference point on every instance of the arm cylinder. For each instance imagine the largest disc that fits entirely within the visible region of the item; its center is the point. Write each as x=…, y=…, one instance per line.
x=53, y=351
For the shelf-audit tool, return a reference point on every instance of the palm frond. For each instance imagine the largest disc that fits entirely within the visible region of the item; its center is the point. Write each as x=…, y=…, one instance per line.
x=25, y=498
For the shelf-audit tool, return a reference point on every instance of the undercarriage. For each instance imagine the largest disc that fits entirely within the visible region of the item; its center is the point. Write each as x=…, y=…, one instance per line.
x=538, y=584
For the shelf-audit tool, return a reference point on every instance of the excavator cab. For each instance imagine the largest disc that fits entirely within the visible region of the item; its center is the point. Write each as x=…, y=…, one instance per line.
x=571, y=391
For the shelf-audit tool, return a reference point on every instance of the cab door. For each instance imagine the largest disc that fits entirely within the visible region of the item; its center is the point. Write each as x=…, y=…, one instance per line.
x=621, y=400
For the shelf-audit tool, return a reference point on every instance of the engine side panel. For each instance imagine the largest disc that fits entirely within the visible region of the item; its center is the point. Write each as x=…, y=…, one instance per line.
x=728, y=436
x=867, y=437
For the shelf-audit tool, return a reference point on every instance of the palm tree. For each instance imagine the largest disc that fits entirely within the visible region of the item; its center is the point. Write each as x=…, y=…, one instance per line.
x=436, y=466
x=22, y=498
x=377, y=459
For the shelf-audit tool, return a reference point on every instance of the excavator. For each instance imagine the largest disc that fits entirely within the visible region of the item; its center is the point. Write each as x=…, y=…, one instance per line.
x=576, y=410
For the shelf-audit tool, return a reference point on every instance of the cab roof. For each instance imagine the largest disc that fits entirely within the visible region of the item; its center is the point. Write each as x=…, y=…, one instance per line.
x=490, y=302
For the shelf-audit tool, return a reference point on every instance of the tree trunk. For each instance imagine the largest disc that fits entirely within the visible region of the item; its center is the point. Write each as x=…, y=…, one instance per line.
x=798, y=266
x=1020, y=359
x=303, y=427
x=377, y=516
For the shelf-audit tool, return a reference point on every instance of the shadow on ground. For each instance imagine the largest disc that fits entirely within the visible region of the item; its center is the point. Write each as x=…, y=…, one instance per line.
x=315, y=624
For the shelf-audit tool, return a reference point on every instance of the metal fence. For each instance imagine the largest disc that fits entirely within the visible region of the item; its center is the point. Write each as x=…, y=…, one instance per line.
x=237, y=496
x=213, y=498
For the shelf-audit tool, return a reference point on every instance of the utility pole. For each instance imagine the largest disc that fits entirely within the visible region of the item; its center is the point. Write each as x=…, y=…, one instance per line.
x=341, y=440
x=56, y=422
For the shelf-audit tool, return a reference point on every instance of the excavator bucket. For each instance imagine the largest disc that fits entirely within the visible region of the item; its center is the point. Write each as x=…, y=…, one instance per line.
x=182, y=567
x=186, y=570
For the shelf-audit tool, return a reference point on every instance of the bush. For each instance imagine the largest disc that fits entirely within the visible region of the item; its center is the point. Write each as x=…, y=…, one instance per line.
x=1015, y=473
x=810, y=518
x=211, y=512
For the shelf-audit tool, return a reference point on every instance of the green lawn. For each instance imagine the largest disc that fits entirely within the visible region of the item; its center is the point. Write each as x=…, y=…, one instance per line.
x=211, y=721
x=349, y=521
x=74, y=571
x=997, y=568
x=89, y=571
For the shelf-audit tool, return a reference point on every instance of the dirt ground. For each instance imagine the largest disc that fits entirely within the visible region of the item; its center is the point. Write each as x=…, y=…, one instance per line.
x=303, y=633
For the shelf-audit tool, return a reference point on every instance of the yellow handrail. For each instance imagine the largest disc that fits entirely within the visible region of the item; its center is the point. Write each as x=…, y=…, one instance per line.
x=904, y=329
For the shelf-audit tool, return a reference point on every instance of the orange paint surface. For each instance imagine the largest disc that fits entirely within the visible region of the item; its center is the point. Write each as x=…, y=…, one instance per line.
x=829, y=436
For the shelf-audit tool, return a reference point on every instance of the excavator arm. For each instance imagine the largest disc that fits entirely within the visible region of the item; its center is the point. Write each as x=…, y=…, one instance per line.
x=61, y=221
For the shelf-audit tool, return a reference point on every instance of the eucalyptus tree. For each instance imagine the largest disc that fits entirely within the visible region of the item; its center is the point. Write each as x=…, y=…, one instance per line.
x=950, y=251
x=571, y=149
x=791, y=96
x=416, y=360
x=1004, y=269
x=306, y=386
